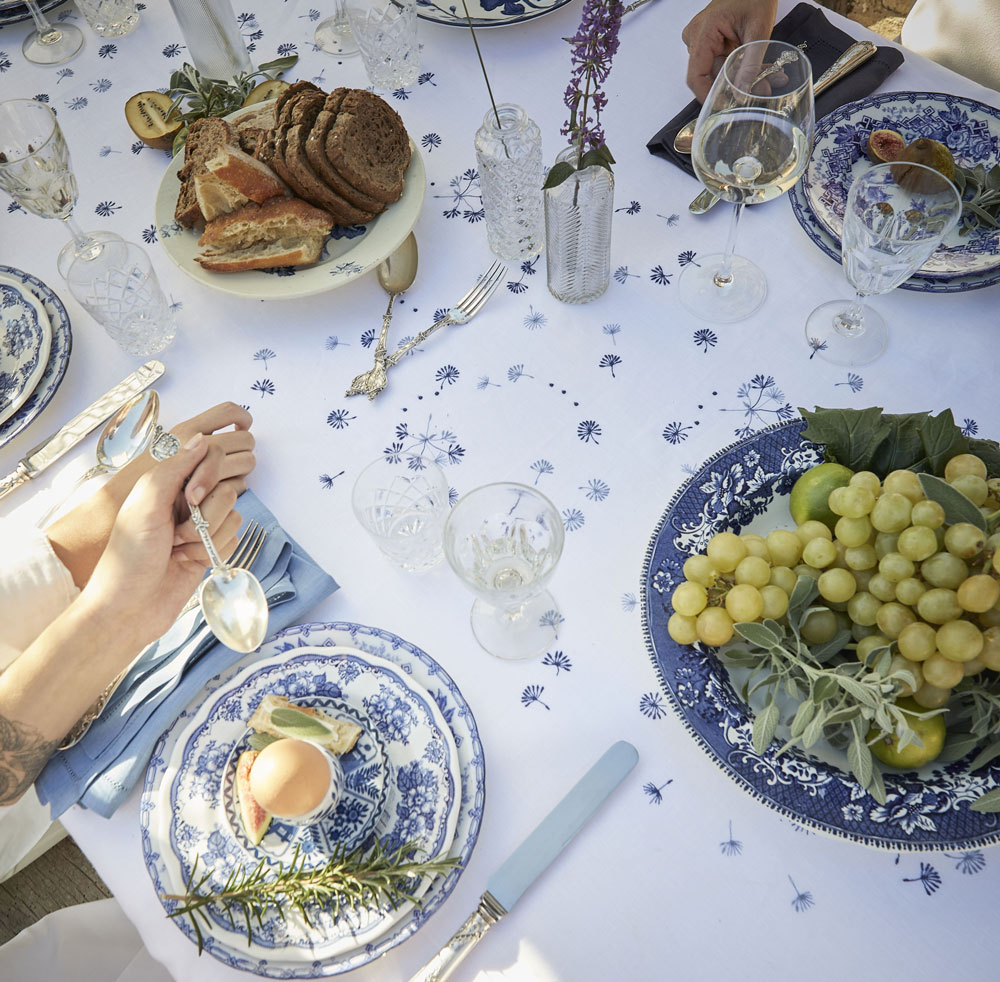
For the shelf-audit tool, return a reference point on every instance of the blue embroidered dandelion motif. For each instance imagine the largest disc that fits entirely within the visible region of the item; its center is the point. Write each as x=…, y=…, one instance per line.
x=176, y=305
x=542, y=467
x=287, y=49
x=629, y=602
x=326, y=480
x=264, y=355
x=368, y=338
x=817, y=345
x=107, y=50
x=969, y=863
x=5, y=62
x=430, y=141
x=401, y=93
x=101, y=85
x=534, y=319
x=622, y=274
x=462, y=195
x=80, y=102
x=676, y=433
x=339, y=419
x=172, y=50
x=264, y=386
x=856, y=382
x=558, y=661
x=446, y=375
x=761, y=398
x=516, y=287
x=426, y=78
x=332, y=343
x=633, y=208
x=802, y=900
x=516, y=372
x=687, y=258
x=107, y=208
x=311, y=15
x=705, y=339
x=731, y=846
x=484, y=383
x=551, y=618
x=588, y=431
x=655, y=793
x=149, y=235
x=393, y=453
x=14, y=206
x=532, y=694
x=651, y=705
x=660, y=278
x=595, y=489
x=929, y=878
x=969, y=427
x=572, y=519
x=246, y=20
x=610, y=361
x=671, y=220
x=138, y=146
x=612, y=331
x=64, y=73
x=107, y=151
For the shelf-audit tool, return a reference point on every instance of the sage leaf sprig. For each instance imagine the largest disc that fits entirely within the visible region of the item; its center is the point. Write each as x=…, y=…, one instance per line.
x=982, y=206
x=349, y=881
x=839, y=700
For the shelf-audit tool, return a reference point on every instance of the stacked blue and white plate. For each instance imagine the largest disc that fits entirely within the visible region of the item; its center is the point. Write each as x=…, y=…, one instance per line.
x=967, y=260
x=416, y=775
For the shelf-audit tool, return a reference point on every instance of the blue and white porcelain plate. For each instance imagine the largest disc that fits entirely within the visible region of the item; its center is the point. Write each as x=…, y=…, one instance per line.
x=366, y=784
x=25, y=338
x=486, y=13
x=969, y=129
x=917, y=283
x=61, y=344
x=19, y=11
x=743, y=488
x=420, y=668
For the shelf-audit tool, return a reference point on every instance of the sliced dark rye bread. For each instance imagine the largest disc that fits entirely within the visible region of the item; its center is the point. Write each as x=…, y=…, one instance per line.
x=316, y=152
x=368, y=146
x=265, y=146
x=206, y=137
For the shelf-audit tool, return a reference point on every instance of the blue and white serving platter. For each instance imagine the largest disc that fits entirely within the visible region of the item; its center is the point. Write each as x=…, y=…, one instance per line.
x=16, y=12
x=25, y=338
x=61, y=344
x=486, y=13
x=743, y=488
x=920, y=284
x=971, y=130
x=422, y=672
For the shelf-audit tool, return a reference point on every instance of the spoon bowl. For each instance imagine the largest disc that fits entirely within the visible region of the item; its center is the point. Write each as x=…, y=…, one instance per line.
x=235, y=608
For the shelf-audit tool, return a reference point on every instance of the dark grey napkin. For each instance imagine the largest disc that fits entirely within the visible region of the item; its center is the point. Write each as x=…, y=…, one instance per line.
x=826, y=44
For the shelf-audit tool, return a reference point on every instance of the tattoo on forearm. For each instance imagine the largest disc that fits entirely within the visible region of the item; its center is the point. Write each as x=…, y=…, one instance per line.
x=23, y=753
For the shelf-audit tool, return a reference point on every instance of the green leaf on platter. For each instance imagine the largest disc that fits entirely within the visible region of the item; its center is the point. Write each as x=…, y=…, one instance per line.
x=804, y=591
x=877, y=786
x=957, y=745
x=824, y=652
x=957, y=508
x=278, y=65
x=757, y=634
x=989, y=802
x=983, y=215
x=859, y=756
x=813, y=731
x=856, y=689
x=850, y=435
x=844, y=715
x=764, y=725
x=986, y=755
x=298, y=724
x=825, y=688
x=258, y=741
x=942, y=440
x=901, y=443
x=805, y=712
x=558, y=174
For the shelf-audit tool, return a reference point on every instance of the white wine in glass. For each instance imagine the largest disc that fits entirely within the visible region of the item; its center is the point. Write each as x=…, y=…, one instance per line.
x=751, y=144
x=48, y=44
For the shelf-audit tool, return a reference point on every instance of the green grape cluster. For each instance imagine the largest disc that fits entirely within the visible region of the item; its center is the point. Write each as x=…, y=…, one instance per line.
x=891, y=571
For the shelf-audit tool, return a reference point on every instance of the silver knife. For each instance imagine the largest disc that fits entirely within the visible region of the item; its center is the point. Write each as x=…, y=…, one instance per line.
x=854, y=57
x=51, y=449
x=532, y=857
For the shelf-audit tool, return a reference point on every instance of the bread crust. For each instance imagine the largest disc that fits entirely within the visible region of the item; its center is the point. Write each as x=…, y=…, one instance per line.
x=205, y=138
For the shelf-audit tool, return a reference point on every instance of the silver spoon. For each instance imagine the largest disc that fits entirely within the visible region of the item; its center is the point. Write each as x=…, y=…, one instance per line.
x=125, y=436
x=395, y=275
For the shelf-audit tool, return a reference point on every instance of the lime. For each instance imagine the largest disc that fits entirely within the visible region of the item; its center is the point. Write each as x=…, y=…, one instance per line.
x=931, y=732
x=808, y=500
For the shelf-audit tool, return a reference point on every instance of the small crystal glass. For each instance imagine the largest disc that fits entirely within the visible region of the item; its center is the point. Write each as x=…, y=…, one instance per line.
x=504, y=540
x=119, y=289
x=403, y=506
x=109, y=18
x=387, y=39
x=334, y=35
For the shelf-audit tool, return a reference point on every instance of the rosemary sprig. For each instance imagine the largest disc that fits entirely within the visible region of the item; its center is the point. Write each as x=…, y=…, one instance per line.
x=349, y=881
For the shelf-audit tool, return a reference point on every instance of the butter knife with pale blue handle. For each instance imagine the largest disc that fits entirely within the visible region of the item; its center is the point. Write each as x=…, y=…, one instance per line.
x=505, y=887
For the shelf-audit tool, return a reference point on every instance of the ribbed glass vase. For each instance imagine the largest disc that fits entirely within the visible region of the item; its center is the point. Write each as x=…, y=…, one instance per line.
x=510, y=176
x=578, y=232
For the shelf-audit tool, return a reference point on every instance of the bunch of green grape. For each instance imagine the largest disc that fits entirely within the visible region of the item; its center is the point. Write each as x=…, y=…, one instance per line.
x=890, y=570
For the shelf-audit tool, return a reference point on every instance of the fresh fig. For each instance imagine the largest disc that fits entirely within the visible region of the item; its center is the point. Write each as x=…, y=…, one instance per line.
x=930, y=153
x=255, y=819
x=884, y=146
x=150, y=116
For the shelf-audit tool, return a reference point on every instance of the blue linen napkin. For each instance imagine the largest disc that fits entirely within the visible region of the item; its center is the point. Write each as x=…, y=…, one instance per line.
x=101, y=770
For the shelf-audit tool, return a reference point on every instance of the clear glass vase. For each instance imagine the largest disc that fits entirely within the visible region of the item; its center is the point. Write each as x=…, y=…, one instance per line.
x=578, y=232
x=212, y=36
x=511, y=174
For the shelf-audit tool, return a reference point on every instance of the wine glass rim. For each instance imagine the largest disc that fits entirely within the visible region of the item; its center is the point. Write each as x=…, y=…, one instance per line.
x=45, y=142
x=731, y=57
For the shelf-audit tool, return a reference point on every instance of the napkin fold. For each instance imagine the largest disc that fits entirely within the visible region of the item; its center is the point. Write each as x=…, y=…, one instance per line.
x=101, y=770
x=826, y=44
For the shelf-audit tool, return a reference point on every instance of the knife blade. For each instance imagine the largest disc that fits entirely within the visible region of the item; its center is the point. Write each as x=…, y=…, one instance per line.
x=505, y=887
x=52, y=448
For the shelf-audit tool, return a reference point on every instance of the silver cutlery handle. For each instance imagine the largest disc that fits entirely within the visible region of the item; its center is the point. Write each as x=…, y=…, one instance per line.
x=462, y=941
x=422, y=336
x=20, y=475
x=855, y=56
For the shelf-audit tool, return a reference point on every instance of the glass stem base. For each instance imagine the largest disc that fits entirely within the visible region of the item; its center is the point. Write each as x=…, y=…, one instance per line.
x=335, y=37
x=845, y=341
x=708, y=293
x=513, y=635
x=89, y=246
x=53, y=47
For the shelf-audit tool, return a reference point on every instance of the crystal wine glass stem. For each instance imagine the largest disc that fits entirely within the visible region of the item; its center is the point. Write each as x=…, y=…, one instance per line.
x=80, y=238
x=724, y=275
x=851, y=321
x=46, y=32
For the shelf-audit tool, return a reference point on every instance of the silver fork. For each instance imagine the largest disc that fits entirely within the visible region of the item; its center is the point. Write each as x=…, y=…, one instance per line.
x=463, y=311
x=244, y=555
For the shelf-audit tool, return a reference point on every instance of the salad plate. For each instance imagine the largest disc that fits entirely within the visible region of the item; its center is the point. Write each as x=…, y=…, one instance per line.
x=349, y=252
x=420, y=668
x=60, y=346
x=969, y=129
x=421, y=805
x=13, y=13
x=25, y=338
x=486, y=13
x=744, y=488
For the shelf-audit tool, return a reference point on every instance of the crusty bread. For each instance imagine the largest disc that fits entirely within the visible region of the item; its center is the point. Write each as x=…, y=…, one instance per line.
x=232, y=178
x=343, y=733
x=254, y=126
x=205, y=138
x=280, y=232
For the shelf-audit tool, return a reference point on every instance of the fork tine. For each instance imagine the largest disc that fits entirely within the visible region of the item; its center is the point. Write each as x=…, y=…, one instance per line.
x=242, y=543
x=489, y=288
x=254, y=549
x=492, y=271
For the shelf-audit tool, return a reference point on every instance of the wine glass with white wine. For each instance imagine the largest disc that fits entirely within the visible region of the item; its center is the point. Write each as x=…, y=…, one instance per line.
x=751, y=144
x=48, y=44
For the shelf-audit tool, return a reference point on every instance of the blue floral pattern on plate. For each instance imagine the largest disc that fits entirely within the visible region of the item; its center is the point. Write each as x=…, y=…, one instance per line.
x=420, y=668
x=969, y=129
x=58, y=359
x=735, y=490
x=25, y=338
x=491, y=13
x=366, y=769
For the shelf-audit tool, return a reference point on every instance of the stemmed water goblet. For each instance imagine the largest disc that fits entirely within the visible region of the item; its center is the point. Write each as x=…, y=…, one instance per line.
x=751, y=144
x=896, y=216
x=334, y=35
x=35, y=170
x=48, y=44
x=504, y=540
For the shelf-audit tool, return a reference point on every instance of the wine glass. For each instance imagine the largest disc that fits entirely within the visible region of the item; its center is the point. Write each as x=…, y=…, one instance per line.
x=751, y=144
x=35, y=170
x=504, y=540
x=48, y=44
x=896, y=216
x=334, y=35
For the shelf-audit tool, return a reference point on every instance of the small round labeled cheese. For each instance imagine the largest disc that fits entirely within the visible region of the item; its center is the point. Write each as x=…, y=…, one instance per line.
x=290, y=778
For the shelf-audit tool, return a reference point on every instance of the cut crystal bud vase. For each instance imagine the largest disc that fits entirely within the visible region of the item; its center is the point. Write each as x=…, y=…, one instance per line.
x=511, y=174
x=578, y=232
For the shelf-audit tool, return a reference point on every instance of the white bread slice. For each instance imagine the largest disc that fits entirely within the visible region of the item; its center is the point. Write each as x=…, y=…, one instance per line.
x=343, y=733
x=230, y=179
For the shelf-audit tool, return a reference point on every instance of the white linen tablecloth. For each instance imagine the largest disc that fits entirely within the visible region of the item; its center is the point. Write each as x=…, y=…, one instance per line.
x=606, y=408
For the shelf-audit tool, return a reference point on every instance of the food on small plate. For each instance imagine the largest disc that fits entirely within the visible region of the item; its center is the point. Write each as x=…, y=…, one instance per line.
x=930, y=153
x=233, y=178
x=293, y=779
x=279, y=717
x=256, y=820
x=152, y=119
x=884, y=145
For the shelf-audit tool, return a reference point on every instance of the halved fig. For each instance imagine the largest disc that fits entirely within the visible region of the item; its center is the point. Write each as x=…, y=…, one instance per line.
x=885, y=146
x=149, y=115
x=269, y=89
x=255, y=819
